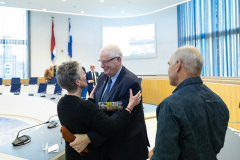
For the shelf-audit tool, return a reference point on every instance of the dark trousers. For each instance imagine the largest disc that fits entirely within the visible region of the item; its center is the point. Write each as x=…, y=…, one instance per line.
x=49, y=81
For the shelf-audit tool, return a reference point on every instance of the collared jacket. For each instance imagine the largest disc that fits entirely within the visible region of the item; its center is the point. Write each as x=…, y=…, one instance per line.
x=191, y=123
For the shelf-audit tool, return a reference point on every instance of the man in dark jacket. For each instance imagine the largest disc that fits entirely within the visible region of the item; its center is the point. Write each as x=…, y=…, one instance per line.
x=113, y=86
x=192, y=122
x=92, y=78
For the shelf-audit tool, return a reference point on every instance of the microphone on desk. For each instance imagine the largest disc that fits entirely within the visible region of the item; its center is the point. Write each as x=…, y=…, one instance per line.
x=16, y=92
x=43, y=95
x=52, y=124
x=25, y=138
x=58, y=93
x=31, y=94
x=52, y=97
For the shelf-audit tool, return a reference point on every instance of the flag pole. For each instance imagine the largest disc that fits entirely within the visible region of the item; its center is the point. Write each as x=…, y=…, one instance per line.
x=69, y=23
x=53, y=59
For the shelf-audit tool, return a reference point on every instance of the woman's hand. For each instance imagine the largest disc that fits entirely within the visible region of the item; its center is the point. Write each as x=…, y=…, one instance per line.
x=92, y=93
x=150, y=154
x=134, y=100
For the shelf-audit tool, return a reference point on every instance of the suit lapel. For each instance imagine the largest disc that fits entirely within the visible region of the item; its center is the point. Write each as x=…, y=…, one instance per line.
x=91, y=75
x=116, y=83
x=99, y=91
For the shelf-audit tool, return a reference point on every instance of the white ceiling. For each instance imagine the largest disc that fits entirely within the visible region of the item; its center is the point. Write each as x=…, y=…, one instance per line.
x=108, y=8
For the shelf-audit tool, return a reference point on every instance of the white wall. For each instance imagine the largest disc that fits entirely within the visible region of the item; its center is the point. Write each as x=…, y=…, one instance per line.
x=87, y=40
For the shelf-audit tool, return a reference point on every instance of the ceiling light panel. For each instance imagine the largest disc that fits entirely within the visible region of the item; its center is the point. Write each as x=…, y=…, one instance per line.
x=103, y=8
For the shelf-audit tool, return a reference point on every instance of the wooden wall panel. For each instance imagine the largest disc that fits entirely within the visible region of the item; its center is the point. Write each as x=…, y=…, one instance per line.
x=154, y=91
x=41, y=80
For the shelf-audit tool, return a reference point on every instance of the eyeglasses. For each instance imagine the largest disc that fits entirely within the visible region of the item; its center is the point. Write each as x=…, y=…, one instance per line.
x=105, y=62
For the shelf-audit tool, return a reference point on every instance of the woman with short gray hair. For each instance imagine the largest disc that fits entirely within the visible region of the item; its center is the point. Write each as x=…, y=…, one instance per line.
x=81, y=116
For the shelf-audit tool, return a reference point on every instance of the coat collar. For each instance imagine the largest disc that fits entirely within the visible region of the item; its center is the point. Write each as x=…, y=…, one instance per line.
x=189, y=81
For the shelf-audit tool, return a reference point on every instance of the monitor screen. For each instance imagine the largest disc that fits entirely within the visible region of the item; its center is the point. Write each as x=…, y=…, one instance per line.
x=134, y=41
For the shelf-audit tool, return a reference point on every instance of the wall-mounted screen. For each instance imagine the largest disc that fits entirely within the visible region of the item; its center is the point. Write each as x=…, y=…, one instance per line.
x=134, y=41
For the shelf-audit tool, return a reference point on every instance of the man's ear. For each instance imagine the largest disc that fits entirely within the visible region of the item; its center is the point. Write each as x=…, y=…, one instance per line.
x=77, y=82
x=119, y=59
x=178, y=65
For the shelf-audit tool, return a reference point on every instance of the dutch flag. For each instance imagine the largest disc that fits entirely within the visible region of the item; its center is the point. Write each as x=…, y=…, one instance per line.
x=53, y=46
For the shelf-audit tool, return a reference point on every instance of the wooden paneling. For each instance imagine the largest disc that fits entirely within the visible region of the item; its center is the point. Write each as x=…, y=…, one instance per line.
x=41, y=80
x=154, y=91
x=6, y=81
x=23, y=81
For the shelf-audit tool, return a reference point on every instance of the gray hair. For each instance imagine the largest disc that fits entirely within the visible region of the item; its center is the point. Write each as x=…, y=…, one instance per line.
x=67, y=74
x=190, y=57
x=114, y=50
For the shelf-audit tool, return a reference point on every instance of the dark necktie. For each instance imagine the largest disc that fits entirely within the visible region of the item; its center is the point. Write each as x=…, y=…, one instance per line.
x=94, y=78
x=105, y=96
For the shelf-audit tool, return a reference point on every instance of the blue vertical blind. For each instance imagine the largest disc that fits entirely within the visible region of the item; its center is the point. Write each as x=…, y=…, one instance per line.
x=212, y=26
x=13, y=43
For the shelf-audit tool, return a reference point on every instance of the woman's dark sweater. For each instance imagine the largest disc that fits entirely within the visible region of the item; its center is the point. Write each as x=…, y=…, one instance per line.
x=81, y=116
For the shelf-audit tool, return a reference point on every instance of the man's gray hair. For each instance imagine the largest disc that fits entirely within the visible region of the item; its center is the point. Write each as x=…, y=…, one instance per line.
x=114, y=50
x=190, y=57
x=67, y=74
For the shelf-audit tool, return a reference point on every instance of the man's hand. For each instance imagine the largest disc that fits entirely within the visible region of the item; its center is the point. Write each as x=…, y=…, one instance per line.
x=92, y=93
x=150, y=154
x=80, y=143
x=46, y=81
x=91, y=81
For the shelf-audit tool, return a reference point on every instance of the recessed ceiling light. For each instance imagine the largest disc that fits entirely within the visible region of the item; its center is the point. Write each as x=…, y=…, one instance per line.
x=2, y=2
x=122, y=11
x=82, y=11
x=101, y=0
x=63, y=0
x=44, y=9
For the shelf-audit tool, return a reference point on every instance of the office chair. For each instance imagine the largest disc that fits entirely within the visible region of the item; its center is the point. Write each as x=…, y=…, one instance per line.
x=15, y=87
x=84, y=93
x=42, y=87
x=15, y=80
x=58, y=89
x=0, y=81
x=33, y=80
x=53, y=80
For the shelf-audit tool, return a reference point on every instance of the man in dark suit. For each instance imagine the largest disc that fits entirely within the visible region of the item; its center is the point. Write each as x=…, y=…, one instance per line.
x=114, y=85
x=91, y=77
